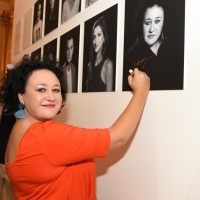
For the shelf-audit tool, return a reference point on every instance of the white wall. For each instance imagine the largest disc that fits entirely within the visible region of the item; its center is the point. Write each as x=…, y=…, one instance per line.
x=162, y=161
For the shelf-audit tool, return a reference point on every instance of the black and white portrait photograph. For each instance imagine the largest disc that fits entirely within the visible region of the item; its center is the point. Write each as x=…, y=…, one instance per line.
x=99, y=60
x=36, y=54
x=50, y=50
x=51, y=15
x=69, y=57
x=89, y=2
x=37, y=21
x=69, y=9
x=154, y=42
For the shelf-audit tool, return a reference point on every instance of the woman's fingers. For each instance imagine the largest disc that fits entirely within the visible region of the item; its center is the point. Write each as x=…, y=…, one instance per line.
x=138, y=80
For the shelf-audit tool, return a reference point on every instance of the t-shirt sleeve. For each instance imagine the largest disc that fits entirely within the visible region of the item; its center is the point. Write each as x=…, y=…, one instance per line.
x=64, y=144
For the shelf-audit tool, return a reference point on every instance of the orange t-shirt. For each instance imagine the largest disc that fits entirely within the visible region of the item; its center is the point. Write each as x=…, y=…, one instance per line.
x=56, y=161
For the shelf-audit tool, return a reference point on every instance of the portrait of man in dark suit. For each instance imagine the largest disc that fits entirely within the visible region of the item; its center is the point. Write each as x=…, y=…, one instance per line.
x=69, y=58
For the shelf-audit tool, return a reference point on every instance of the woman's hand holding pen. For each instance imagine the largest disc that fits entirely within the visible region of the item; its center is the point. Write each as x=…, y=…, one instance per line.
x=139, y=81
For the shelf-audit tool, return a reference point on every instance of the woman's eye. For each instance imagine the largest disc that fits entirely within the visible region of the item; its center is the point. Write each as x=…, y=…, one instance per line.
x=157, y=21
x=147, y=22
x=56, y=90
x=99, y=34
x=41, y=90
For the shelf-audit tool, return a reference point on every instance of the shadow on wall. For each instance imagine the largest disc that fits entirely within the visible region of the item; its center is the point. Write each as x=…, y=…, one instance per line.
x=193, y=191
x=113, y=157
x=134, y=165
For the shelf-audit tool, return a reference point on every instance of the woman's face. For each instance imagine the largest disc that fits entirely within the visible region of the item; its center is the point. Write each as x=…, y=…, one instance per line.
x=98, y=39
x=52, y=2
x=39, y=11
x=42, y=97
x=153, y=24
x=69, y=50
x=50, y=56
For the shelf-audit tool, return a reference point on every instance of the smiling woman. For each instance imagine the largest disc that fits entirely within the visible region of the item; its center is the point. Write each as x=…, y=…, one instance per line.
x=50, y=160
x=100, y=68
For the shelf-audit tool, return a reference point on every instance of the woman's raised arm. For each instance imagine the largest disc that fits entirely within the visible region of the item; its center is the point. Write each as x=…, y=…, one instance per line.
x=125, y=125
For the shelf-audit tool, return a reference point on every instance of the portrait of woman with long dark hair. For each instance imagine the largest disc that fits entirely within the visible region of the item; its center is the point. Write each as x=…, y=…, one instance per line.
x=100, y=68
x=157, y=44
x=100, y=71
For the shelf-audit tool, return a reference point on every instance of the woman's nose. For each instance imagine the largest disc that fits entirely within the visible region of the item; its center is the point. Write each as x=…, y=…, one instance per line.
x=151, y=28
x=50, y=96
x=95, y=40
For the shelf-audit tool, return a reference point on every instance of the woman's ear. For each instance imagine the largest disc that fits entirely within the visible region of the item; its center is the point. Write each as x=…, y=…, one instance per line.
x=20, y=98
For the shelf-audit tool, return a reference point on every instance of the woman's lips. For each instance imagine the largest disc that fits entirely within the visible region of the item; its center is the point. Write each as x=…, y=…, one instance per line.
x=151, y=36
x=49, y=106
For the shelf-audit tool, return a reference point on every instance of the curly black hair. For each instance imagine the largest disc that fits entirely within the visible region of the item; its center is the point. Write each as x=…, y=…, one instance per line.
x=15, y=81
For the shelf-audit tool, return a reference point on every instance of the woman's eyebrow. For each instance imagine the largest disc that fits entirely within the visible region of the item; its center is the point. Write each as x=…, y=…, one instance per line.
x=43, y=84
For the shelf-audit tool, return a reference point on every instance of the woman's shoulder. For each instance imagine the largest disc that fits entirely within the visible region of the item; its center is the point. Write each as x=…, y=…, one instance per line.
x=44, y=129
x=25, y=126
x=108, y=63
x=47, y=124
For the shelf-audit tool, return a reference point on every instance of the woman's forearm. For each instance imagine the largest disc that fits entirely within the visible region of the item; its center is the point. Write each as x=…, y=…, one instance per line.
x=127, y=122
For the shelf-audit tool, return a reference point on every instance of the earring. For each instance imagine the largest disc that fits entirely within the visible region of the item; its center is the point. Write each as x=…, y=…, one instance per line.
x=20, y=114
x=162, y=37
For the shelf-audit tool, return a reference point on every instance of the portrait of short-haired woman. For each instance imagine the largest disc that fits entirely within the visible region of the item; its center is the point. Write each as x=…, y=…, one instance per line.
x=157, y=42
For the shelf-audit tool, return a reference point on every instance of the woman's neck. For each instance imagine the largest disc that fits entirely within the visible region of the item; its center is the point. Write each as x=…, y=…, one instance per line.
x=99, y=58
x=30, y=117
x=154, y=48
